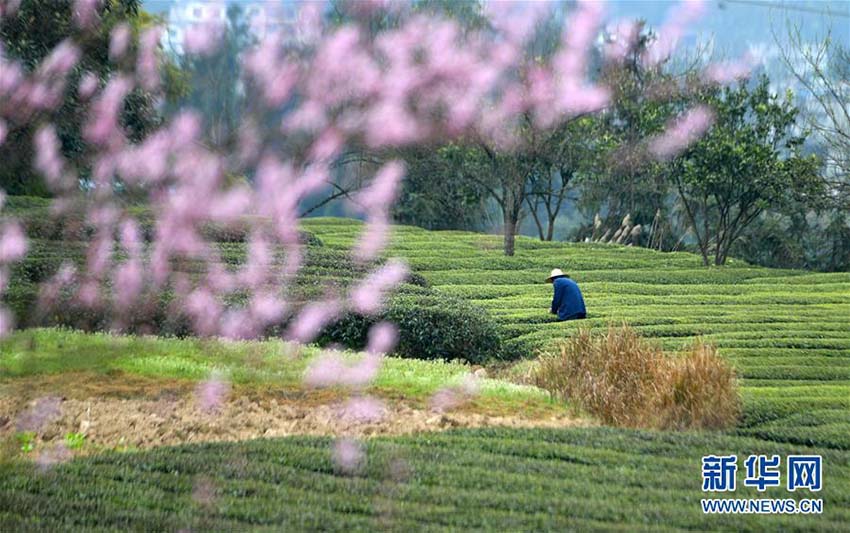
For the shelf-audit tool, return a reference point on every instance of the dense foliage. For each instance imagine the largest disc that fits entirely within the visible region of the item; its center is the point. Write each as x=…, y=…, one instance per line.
x=749, y=161
x=29, y=37
x=430, y=326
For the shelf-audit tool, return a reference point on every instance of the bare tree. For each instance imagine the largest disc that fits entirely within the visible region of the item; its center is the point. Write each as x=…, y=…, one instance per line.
x=823, y=69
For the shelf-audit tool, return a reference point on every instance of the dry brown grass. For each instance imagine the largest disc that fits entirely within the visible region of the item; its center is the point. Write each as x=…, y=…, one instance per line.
x=626, y=381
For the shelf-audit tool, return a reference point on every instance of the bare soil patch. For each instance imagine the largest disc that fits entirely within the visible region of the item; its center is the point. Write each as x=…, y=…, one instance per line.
x=147, y=413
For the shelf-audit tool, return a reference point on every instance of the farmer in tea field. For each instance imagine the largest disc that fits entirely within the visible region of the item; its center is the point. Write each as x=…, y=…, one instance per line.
x=567, y=303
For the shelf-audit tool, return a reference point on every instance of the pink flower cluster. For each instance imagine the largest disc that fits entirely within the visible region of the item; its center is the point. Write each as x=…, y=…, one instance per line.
x=682, y=132
x=41, y=413
x=13, y=247
x=426, y=79
x=212, y=393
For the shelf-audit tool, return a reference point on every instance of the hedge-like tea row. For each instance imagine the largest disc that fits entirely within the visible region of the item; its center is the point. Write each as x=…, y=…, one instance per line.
x=431, y=325
x=593, y=479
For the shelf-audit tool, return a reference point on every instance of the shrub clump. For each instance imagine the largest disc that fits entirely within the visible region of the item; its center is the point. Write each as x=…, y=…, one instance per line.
x=626, y=381
x=430, y=325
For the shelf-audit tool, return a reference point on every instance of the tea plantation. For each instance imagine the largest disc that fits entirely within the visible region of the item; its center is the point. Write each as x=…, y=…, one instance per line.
x=786, y=332
x=500, y=480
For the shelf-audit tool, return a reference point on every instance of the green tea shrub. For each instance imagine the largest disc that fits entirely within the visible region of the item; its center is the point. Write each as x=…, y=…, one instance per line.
x=431, y=326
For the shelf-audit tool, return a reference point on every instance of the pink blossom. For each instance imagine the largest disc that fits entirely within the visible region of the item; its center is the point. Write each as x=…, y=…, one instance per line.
x=85, y=12
x=451, y=397
x=329, y=370
x=205, y=310
x=3, y=131
x=60, y=60
x=13, y=243
x=517, y=20
x=383, y=337
x=88, y=85
x=728, y=71
x=310, y=21
x=391, y=124
x=212, y=393
x=119, y=41
x=348, y=455
x=239, y=324
x=342, y=70
x=327, y=146
x=102, y=126
x=259, y=260
x=678, y=18
x=445, y=399
x=367, y=297
x=128, y=283
x=56, y=454
x=383, y=190
x=275, y=76
x=49, y=293
x=131, y=238
x=311, y=320
x=266, y=308
x=9, y=8
x=373, y=239
x=230, y=205
x=11, y=76
x=622, y=38
x=571, y=62
x=364, y=372
x=89, y=294
x=99, y=253
x=369, y=7
x=41, y=413
x=325, y=371
x=203, y=39
x=147, y=67
x=682, y=132
x=48, y=160
x=363, y=409
x=185, y=129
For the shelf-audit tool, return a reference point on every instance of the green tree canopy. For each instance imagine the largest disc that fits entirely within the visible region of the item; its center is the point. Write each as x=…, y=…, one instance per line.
x=29, y=36
x=748, y=162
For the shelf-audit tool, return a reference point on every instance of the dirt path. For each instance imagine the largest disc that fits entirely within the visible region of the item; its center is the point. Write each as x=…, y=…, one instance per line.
x=148, y=414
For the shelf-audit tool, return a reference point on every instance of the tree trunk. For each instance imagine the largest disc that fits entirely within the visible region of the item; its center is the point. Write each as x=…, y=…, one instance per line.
x=550, y=231
x=510, y=235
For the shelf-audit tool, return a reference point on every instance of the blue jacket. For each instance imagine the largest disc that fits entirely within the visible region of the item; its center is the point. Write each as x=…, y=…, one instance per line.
x=568, y=302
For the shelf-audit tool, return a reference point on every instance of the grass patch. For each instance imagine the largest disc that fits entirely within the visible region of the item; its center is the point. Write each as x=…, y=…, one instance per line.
x=271, y=363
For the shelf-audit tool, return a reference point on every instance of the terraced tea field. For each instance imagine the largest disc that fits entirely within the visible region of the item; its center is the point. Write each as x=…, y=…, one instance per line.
x=786, y=331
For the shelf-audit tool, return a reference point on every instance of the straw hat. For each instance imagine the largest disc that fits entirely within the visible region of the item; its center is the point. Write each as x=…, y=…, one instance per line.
x=556, y=273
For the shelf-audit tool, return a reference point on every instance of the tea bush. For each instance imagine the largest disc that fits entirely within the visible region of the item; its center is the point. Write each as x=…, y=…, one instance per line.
x=431, y=326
